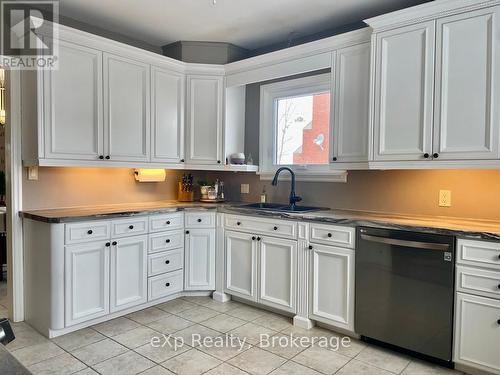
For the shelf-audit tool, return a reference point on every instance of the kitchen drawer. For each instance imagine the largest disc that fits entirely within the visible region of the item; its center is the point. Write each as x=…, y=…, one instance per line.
x=164, y=285
x=87, y=231
x=262, y=225
x=478, y=281
x=160, y=223
x=477, y=332
x=478, y=253
x=200, y=219
x=166, y=241
x=166, y=261
x=129, y=227
x=332, y=235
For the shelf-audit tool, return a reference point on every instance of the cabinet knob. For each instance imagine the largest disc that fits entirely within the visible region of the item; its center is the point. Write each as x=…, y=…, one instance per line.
x=101, y=157
x=435, y=155
x=167, y=285
x=167, y=262
x=90, y=231
x=168, y=222
x=238, y=223
x=334, y=158
x=218, y=161
x=107, y=157
x=426, y=155
x=114, y=243
x=498, y=286
x=498, y=321
x=258, y=238
x=167, y=241
x=182, y=160
x=498, y=256
x=310, y=247
x=108, y=244
x=130, y=227
x=275, y=228
x=253, y=238
x=187, y=232
x=199, y=220
x=329, y=235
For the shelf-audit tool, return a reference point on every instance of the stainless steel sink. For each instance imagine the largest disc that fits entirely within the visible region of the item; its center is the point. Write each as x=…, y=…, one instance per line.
x=281, y=207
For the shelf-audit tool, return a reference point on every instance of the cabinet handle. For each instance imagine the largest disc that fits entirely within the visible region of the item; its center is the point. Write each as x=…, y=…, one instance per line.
x=435, y=155
x=114, y=243
x=253, y=238
x=238, y=223
x=108, y=244
x=167, y=284
x=498, y=321
x=218, y=161
x=334, y=158
x=499, y=256
x=426, y=155
x=101, y=157
x=167, y=262
x=187, y=232
x=258, y=238
x=329, y=235
x=108, y=157
x=168, y=222
x=310, y=247
x=182, y=160
x=130, y=227
x=275, y=228
x=167, y=241
x=498, y=286
x=90, y=231
x=199, y=220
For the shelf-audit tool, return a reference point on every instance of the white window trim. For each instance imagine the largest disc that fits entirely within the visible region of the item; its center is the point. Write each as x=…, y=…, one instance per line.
x=289, y=88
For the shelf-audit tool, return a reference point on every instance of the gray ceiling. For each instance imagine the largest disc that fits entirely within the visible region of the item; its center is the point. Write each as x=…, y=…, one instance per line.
x=250, y=24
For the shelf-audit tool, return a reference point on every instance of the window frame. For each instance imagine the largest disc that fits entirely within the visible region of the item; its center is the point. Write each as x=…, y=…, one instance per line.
x=269, y=94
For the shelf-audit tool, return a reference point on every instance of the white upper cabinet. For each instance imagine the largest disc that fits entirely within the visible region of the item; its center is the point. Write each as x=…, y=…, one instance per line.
x=350, y=103
x=467, y=85
x=404, y=84
x=204, y=119
x=167, y=117
x=126, y=109
x=72, y=105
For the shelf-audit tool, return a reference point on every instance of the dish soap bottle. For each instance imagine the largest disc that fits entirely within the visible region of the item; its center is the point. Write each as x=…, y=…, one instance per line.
x=263, y=195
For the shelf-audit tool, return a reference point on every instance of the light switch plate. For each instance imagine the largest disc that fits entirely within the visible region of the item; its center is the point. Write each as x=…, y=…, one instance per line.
x=444, y=198
x=245, y=188
x=33, y=173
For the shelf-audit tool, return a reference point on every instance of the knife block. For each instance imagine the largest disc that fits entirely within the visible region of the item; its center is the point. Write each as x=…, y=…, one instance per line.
x=184, y=196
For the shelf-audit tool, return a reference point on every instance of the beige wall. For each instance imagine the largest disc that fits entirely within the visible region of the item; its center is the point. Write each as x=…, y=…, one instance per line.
x=475, y=193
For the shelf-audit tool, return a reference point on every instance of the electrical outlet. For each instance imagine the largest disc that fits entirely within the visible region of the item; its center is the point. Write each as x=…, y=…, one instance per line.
x=33, y=173
x=245, y=188
x=444, y=198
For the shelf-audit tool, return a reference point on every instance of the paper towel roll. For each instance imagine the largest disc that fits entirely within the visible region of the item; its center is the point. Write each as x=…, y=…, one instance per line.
x=150, y=175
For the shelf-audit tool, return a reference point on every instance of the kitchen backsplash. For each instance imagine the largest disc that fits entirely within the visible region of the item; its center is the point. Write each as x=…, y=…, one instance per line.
x=474, y=193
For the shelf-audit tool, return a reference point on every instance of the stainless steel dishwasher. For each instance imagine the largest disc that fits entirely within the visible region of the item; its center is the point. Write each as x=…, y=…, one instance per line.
x=405, y=290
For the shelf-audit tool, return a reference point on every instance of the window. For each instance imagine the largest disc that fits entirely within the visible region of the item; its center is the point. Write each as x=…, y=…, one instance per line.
x=295, y=127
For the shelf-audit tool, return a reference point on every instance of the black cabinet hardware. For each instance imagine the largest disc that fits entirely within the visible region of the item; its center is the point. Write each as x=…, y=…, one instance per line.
x=275, y=228
x=114, y=243
x=218, y=161
x=90, y=231
x=168, y=222
x=334, y=158
x=253, y=238
x=258, y=238
x=130, y=227
x=435, y=155
x=182, y=160
x=101, y=157
x=310, y=247
x=329, y=235
x=167, y=262
x=238, y=223
x=199, y=220
x=187, y=232
x=426, y=155
x=167, y=241
x=108, y=157
x=167, y=284
x=108, y=244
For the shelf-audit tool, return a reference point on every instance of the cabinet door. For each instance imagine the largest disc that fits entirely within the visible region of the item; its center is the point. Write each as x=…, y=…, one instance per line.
x=404, y=86
x=332, y=286
x=204, y=119
x=86, y=282
x=167, y=116
x=72, y=105
x=199, y=271
x=241, y=264
x=278, y=273
x=467, y=85
x=126, y=109
x=477, y=332
x=128, y=272
x=350, y=100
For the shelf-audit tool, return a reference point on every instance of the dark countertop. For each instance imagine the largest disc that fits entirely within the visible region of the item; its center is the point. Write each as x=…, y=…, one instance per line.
x=470, y=228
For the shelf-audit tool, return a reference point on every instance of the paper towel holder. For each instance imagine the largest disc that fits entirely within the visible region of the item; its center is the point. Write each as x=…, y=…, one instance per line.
x=149, y=175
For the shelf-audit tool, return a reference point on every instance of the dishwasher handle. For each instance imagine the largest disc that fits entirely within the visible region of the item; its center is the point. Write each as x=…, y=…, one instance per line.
x=406, y=243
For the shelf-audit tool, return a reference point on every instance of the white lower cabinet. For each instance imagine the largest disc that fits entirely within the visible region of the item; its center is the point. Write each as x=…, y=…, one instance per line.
x=278, y=273
x=86, y=282
x=199, y=269
x=477, y=332
x=241, y=264
x=128, y=272
x=332, y=286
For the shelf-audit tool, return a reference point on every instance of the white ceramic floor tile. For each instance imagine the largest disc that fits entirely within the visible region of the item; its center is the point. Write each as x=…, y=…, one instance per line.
x=223, y=323
x=226, y=369
x=192, y=362
x=61, y=365
x=222, y=306
x=384, y=359
x=124, y=364
x=246, y=313
x=252, y=333
x=292, y=368
x=148, y=315
x=116, y=326
x=283, y=345
x=423, y=368
x=355, y=367
x=37, y=353
x=157, y=370
x=162, y=351
x=98, y=352
x=78, y=339
x=257, y=361
x=136, y=337
x=176, y=306
x=198, y=314
x=274, y=321
x=195, y=335
x=169, y=324
x=322, y=360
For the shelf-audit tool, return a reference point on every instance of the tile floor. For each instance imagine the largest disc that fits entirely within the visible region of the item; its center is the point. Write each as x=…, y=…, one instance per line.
x=123, y=346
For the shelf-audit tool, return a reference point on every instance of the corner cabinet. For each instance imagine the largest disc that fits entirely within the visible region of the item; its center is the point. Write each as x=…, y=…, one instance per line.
x=204, y=106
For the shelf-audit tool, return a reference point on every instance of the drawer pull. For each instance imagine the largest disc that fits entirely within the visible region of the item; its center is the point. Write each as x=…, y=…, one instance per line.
x=90, y=231
x=130, y=227
x=199, y=220
x=253, y=238
x=499, y=256
x=258, y=238
x=108, y=244
x=167, y=285
x=275, y=228
x=114, y=243
x=498, y=286
x=167, y=241
x=329, y=235
x=168, y=222
x=498, y=321
x=310, y=247
x=187, y=232
x=167, y=262
x=238, y=223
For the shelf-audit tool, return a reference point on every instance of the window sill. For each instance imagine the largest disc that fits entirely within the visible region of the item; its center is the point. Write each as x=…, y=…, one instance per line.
x=309, y=176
